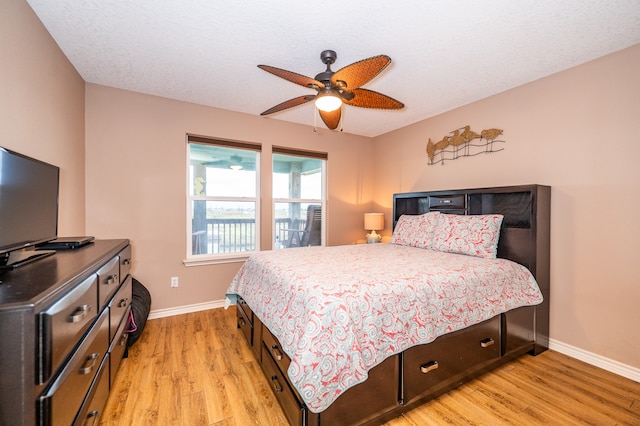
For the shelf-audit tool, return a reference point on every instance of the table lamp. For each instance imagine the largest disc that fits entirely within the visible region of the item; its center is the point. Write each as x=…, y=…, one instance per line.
x=374, y=222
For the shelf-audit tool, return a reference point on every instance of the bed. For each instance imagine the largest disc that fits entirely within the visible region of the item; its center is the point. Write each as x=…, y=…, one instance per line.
x=462, y=288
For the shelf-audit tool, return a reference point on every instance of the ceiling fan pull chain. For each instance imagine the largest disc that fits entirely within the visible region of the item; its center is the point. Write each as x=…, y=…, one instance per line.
x=315, y=118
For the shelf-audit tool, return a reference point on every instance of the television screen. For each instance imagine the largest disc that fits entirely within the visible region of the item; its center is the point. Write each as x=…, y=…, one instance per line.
x=28, y=201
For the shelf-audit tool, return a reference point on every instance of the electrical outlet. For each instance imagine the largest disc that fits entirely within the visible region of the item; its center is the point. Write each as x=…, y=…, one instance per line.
x=174, y=281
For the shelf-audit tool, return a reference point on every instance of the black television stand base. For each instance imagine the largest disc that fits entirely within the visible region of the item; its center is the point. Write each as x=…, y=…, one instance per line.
x=17, y=258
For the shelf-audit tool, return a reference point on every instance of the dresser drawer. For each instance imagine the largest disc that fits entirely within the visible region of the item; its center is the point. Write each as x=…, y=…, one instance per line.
x=125, y=262
x=429, y=368
x=118, y=346
x=118, y=306
x=62, y=399
x=63, y=323
x=95, y=401
x=293, y=409
x=445, y=202
x=108, y=280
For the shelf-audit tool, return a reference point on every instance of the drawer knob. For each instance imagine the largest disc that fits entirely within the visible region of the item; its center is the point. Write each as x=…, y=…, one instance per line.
x=89, y=363
x=126, y=262
x=123, y=303
x=487, y=342
x=241, y=323
x=123, y=339
x=429, y=366
x=80, y=313
x=111, y=279
x=276, y=384
x=277, y=354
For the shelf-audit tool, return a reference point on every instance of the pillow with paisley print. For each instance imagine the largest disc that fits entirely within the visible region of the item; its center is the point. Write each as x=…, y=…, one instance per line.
x=415, y=230
x=475, y=235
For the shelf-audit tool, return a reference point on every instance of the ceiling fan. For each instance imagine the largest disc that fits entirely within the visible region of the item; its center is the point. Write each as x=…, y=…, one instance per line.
x=335, y=88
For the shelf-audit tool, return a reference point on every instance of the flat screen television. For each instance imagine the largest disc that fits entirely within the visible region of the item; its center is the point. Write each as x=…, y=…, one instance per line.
x=28, y=207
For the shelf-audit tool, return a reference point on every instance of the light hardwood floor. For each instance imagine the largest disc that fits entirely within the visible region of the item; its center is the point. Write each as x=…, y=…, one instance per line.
x=197, y=369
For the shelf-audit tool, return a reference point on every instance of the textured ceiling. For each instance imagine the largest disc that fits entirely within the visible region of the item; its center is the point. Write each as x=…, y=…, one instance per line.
x=445, y=53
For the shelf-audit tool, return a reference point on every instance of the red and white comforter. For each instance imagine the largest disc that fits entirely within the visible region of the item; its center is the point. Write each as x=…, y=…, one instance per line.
x=339, y=311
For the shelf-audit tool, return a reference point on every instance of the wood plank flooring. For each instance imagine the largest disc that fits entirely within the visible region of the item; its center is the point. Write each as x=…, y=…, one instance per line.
x=197, y=369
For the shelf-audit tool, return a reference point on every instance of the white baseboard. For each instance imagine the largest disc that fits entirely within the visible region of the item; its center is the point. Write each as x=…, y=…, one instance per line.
x=611, y=365
x=608, y=364
x=169, y=312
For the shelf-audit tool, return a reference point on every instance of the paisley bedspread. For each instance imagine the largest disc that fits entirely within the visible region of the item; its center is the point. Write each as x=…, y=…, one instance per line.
x=339, y=311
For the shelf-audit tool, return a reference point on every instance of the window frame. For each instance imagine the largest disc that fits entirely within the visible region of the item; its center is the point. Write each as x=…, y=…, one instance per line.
x=323, y=156
x=211, y=258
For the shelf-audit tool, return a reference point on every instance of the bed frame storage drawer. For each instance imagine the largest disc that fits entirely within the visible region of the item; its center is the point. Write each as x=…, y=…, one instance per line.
x=244, y=324
x=368, y=400
x=282, y=360
x=293, y=409
x=251, y=326
x=429, y=370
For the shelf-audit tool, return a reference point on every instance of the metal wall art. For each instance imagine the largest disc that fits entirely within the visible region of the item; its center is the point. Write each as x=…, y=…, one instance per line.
x=460, y=144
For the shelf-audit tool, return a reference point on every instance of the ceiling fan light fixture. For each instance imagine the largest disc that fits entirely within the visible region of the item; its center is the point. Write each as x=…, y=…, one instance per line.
x=328, y=102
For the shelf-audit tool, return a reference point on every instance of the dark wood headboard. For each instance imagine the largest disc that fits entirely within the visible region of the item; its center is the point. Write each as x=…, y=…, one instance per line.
x=525, y=232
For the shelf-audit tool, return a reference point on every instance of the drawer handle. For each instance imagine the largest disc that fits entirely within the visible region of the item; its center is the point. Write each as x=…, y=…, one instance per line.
x=111, y=279
x=276, y=384
x=277, y=354
x=445, y=201
x=92, y=418
x=429, y=366
x=123, y=303
x=89, y=363
x=487, y=342
x=80, y=313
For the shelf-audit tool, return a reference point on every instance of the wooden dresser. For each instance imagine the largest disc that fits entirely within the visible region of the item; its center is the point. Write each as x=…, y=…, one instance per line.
x=62, y=329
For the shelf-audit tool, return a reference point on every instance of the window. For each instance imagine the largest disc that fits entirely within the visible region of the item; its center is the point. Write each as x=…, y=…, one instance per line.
x=223, y=194
x=298, y=198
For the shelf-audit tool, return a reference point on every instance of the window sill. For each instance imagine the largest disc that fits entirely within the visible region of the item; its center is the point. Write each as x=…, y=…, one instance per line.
x=216, y=260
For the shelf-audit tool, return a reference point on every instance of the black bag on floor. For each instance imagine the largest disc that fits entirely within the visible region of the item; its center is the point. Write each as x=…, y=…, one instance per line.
x=140, y=307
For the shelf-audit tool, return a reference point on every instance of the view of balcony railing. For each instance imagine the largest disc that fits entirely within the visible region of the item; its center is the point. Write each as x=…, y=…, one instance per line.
x=234, y=235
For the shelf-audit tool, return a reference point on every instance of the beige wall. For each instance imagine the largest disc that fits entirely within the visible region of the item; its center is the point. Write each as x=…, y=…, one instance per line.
x=42, y=106
x=136, y=183
x=574, y=131
x=577, y=132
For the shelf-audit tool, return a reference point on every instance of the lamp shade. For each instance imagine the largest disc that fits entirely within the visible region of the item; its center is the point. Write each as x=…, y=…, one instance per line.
x=328, y=102
x=373, y=221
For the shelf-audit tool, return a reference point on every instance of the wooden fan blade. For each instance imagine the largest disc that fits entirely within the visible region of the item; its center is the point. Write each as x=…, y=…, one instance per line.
x=331, y=118
x=361, y=72
x=292, y=76
x=290, y=104
x=364, y=98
